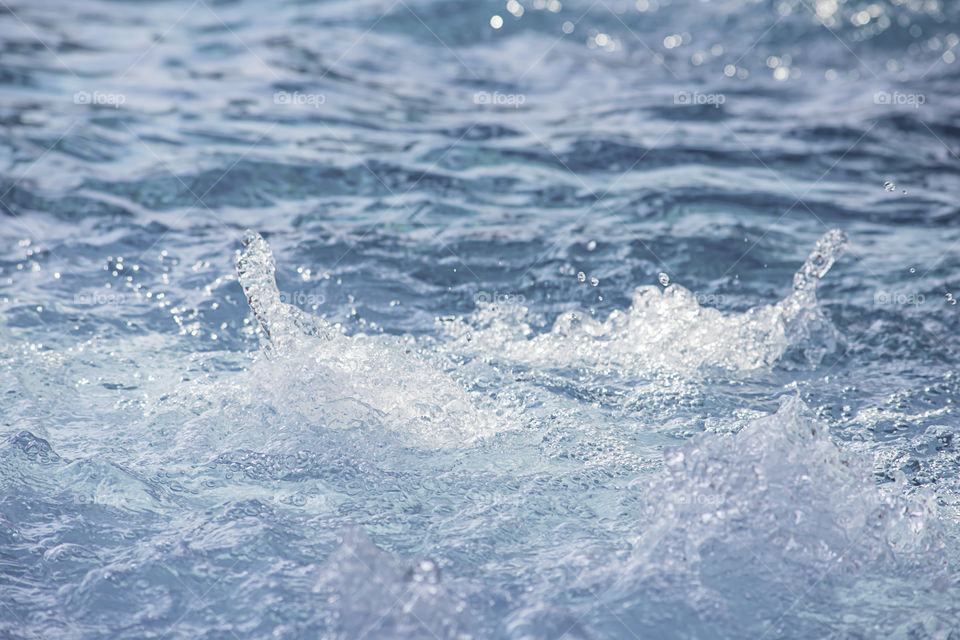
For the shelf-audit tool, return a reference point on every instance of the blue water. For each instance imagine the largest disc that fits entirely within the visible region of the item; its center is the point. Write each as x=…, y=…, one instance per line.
x=552, y=374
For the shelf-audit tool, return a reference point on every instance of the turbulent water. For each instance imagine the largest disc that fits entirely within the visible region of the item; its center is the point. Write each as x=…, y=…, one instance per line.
x=537, y=319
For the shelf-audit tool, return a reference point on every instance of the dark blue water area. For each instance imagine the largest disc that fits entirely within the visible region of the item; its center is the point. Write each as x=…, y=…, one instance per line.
x=564, y=379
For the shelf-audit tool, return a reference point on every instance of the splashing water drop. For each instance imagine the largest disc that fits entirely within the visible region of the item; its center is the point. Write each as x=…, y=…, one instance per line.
x=828, y=248
x=664, y=279
x=256, y=272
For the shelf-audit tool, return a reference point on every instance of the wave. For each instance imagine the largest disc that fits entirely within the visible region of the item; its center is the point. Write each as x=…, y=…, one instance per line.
x=315, y=376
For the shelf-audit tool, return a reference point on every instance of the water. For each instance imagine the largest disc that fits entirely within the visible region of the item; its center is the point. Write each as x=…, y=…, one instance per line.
x=619, y=320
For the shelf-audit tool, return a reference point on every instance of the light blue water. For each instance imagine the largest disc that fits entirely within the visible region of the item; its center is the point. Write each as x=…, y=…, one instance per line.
x=558, y=378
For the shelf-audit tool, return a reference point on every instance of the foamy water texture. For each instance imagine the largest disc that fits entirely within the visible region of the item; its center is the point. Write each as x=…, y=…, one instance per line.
x=540, y=320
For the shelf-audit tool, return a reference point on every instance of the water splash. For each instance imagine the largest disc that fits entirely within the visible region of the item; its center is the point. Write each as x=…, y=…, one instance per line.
x=281, y=322
x=667, y=329
x=321, y=378
x=374, y=594
x=738, y=526
x=828, y=249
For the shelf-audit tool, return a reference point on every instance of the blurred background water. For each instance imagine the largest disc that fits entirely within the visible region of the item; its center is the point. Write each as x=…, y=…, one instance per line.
x=442, y=181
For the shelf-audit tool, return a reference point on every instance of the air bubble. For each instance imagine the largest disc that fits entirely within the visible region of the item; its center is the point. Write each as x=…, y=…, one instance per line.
x=889, y=186
x=594, y=281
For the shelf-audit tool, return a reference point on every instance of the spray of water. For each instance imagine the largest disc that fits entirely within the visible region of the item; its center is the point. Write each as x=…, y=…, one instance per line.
x=666, y=329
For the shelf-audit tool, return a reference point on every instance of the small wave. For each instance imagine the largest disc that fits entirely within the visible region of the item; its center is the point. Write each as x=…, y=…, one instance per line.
x=29, y=466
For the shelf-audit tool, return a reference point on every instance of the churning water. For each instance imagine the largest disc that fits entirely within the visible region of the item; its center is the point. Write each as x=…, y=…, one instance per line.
x=555, y=319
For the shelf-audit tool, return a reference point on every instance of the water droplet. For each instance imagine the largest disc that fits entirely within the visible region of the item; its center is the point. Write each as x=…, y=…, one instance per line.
x=582, y=277
x=594, y=281
x=889, y=186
